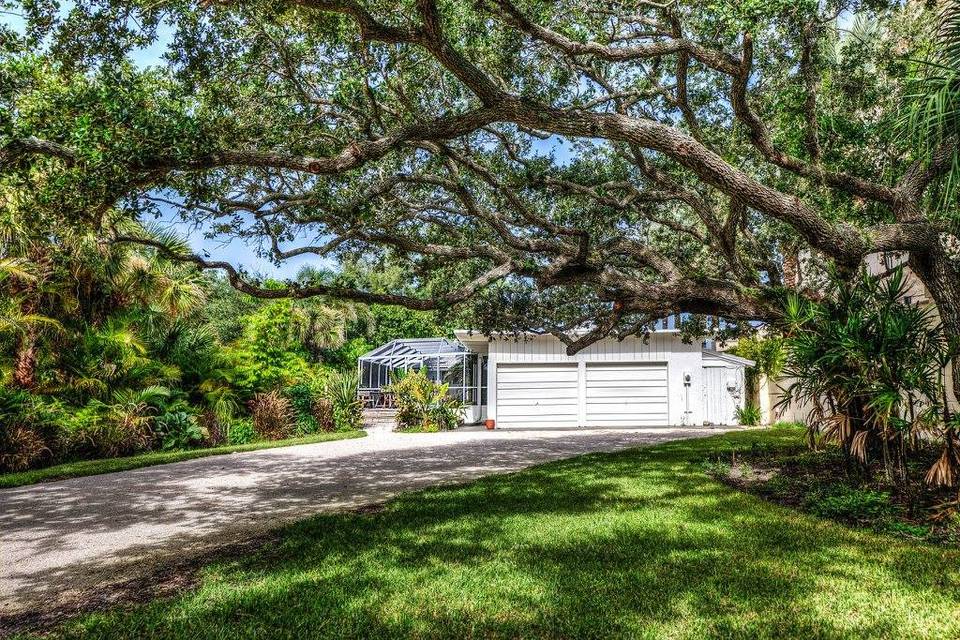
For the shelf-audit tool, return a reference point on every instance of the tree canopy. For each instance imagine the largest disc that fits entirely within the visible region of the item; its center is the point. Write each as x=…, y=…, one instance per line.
x=547, y=166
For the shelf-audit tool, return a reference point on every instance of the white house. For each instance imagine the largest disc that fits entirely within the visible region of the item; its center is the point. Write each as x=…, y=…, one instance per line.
x=529, y=381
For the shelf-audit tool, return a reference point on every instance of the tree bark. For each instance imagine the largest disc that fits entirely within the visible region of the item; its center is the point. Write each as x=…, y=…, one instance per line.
x=25, y=360
x=940, y=275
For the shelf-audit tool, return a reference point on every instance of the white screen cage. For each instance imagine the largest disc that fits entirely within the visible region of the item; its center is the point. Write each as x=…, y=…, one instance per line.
x=443, y=361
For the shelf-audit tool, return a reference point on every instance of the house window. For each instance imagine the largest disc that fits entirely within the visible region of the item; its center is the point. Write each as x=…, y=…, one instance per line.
x=908, y=299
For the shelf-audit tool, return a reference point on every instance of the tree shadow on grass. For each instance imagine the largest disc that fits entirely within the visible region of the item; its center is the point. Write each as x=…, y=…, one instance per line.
x=634, y=544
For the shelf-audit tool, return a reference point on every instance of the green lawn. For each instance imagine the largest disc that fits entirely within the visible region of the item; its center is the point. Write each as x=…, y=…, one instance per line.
x=109, y=465
x=639, y=544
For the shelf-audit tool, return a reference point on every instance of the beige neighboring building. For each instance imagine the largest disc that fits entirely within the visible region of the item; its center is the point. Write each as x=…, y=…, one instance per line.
x=771, y=392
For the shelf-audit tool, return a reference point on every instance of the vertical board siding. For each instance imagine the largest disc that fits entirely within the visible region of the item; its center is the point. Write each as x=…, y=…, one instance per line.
x=548, y=349
x=720, y=404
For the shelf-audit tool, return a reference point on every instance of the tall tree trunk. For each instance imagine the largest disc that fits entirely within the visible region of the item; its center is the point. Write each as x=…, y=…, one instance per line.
x=941, y=276
x=25, y=360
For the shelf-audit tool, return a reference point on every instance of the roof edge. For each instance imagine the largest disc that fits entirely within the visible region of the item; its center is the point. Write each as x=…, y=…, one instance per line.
x=728, y=357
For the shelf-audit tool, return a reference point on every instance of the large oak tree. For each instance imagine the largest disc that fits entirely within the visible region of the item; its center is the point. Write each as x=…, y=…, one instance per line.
x=553, y=165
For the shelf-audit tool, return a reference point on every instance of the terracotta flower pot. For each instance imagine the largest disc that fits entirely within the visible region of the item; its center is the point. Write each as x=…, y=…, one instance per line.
x=490, y=424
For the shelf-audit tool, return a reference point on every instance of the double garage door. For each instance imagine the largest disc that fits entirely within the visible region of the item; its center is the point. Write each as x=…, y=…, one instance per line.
x=611, y=395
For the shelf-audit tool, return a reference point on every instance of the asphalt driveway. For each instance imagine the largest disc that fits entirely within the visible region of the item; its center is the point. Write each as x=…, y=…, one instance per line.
x=64, y=542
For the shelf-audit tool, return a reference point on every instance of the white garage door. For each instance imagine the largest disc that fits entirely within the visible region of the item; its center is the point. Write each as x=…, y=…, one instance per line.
x=537, y=395
x=626, y=395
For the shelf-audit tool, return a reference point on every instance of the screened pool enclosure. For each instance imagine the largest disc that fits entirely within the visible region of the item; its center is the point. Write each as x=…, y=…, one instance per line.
x=443, y=361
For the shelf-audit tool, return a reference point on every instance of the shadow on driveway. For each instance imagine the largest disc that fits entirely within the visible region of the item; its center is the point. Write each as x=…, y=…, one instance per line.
x=65, y=542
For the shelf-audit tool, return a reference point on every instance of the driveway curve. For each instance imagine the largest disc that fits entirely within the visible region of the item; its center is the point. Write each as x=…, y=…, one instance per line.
x=61, y=542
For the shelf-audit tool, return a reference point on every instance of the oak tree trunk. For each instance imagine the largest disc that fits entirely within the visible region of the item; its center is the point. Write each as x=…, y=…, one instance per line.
x=941, y=276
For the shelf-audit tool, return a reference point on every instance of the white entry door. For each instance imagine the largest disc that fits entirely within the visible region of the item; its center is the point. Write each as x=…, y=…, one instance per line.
x=537, y=395
x=722, y=394
x=627, y=395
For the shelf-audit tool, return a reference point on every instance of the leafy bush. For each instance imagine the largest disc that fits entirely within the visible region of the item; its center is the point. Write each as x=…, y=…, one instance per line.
x=842, y=502
x=273, y=416
x=123, y=427
x=240, y=431
x=179, y=430
x=423, y=405
x=98, y=432
x=301, y=397
x=341, y=390
x=313, y=413
x=267, y=356
x=749, y=415
x=22, y=448
x=28, y=430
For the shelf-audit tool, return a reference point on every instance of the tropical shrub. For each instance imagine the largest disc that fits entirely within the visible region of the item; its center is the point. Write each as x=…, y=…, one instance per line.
x=423, y=405
x=273, y=416
x=301, y=397
x=98, y=430
x=178, y=430
x=341, y=390
x=21, y=448
x=871, y=366
x=240, y=431
x=28, y=430
x=749, y=415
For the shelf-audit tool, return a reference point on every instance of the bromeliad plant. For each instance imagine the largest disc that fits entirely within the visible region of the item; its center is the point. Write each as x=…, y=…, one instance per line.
x=423, y=405
x=870, y=366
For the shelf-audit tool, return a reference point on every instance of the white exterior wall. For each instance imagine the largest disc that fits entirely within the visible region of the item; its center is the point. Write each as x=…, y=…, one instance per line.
x=663, y=347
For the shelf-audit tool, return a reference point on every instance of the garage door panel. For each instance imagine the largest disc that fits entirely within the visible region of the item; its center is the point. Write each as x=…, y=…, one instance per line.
x=532, y=410
x=654, y=421
x=598, y=393
x=539, y=396
x=601, y=374
x=629, y=411
x=523, y=375
x=540, y=385
x=626, y=394
x=625, y=382
x=543, y=394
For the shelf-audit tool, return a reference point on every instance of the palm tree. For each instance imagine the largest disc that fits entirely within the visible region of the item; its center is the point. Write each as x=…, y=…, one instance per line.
x=869, y=364
x=323, y=323
x=932, y=116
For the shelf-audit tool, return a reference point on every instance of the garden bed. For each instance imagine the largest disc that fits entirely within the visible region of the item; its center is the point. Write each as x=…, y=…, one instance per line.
x=820, y=483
